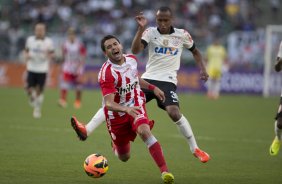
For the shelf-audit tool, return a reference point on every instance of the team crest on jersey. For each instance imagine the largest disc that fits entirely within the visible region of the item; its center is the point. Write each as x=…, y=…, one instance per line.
x=176, y=41
x=165, y=42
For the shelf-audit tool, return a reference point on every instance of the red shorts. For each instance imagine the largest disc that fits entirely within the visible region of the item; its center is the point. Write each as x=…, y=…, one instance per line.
x=68, y=77
x=123, y=129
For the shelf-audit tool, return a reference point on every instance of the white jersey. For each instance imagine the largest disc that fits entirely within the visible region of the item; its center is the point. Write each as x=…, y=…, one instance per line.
x=38, y=50
x=164, y=53
x=280, y=56
x=280, y=50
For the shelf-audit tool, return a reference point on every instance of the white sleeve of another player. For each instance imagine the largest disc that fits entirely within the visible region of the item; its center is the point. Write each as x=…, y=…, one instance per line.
x=280, y=50
x=27, y=43
x=187, y=40
x=146, y=35
x=51, y=46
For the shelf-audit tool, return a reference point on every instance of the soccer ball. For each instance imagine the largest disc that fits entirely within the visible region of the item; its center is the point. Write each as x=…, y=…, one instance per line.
x=96, y=165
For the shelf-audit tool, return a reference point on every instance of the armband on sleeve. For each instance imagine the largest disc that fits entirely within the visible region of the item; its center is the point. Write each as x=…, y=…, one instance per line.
x=151, y=87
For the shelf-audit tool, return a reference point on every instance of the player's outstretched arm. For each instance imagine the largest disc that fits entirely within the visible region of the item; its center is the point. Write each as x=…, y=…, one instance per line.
x=113, y=106
x=199, y=60
x=137, y=46
x=157, y=91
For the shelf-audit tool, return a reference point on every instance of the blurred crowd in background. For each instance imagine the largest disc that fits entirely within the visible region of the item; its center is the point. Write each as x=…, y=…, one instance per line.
x=92, y=19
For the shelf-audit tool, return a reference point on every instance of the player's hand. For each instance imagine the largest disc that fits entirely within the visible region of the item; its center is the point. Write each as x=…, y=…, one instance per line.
x=141, y=20
x=159, y=93
x=278, y=66
x=133, y=111
x=204, y=76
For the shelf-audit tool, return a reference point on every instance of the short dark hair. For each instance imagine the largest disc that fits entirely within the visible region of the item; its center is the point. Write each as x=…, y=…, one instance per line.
x=165, y=9
x=105, y=39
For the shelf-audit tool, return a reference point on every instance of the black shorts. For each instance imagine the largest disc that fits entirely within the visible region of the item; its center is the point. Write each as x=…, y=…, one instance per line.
x=36, y=79
x=169, y=90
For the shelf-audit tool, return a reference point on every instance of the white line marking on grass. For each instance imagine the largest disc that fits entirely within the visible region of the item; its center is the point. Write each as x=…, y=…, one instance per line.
x=41, y=128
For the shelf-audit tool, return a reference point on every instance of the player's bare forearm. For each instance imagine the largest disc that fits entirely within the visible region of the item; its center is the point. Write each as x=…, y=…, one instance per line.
x=26, y=55
x=137, y=46
x=199, y=60
x=144, y=84
x=51, y=55
x=157, y=91
x=278, y=65
x=113, y=106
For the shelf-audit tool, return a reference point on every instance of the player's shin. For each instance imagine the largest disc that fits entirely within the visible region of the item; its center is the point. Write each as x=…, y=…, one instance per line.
x=278, y=131
x=156, y=153
x=186, y=130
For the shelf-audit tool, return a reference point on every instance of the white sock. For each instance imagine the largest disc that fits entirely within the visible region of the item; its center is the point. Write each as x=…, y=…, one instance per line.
x=96, y=120
x=186, y=130
x=278, y=132
x=38, y=101
x=216, y=87
x=150, y=141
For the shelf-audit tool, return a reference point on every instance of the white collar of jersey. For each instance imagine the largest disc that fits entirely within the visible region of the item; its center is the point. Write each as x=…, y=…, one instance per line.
x=118, y=64
x=36, y=38
x=170, y=31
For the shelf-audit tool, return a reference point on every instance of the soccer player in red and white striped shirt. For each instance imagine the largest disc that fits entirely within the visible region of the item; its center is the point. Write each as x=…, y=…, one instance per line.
x=124, y=104
x=74, y=53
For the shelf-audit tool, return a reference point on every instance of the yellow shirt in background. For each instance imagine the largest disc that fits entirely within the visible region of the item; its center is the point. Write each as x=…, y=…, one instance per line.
x=216, y=55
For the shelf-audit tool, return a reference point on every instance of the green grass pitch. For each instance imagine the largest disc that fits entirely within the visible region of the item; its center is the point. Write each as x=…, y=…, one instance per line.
x=235, y=130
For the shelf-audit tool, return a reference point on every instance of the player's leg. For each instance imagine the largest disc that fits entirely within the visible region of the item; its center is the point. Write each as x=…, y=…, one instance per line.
x=155, y=149
x=275, y=146
x=78, y=94
x=83, y=131
x=40, y=80
x=122, y=151
x=216, y=89
x=30, y=88
x=208, y=86
x=185, y=129
x=64, y=86
x=171, y=105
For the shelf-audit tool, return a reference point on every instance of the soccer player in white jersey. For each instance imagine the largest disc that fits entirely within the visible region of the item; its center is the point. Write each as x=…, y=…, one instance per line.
x=39, y=51
x=124, y=107
x=165, y=47
x=74, y=53
x=275, y=146
x=165, y=44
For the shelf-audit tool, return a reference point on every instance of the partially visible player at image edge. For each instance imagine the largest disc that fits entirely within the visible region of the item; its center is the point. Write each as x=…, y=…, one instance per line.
x=275, y=146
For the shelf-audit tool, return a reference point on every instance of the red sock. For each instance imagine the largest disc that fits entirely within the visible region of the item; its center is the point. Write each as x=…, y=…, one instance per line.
x=63, y=94
x=157, y=154
x=78, y=95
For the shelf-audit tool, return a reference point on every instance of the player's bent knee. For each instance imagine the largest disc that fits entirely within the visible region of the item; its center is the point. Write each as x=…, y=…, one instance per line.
x=279, y=119
x=174, y=113
x=144, y=131
x=124, y=157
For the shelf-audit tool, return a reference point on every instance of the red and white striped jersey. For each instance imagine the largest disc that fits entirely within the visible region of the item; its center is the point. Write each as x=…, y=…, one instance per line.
x=73, y=51
x=123, y=81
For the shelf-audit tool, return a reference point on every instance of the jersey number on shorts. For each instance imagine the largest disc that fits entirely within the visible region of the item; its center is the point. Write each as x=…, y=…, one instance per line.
x=174, y=96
